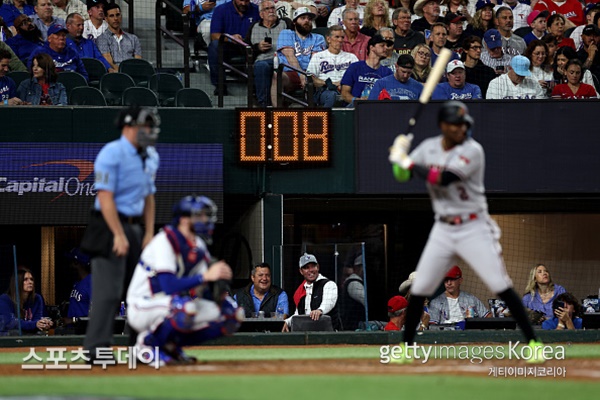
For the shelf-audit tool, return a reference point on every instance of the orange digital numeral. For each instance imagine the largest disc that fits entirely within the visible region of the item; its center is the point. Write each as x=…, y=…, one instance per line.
x=253, y=148
x=316, y=135
x=285, y=136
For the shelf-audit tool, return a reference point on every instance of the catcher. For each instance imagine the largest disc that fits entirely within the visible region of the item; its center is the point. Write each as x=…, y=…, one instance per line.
x=174, y=265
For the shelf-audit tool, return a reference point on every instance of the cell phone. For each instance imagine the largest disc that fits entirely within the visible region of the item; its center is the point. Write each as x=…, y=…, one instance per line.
x=427, y=34
x=500, y=68
x=268, y=39
x=560, y=304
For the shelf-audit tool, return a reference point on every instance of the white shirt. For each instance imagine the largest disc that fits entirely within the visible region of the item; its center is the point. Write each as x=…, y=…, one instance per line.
x=330, y=296
x=454, y=311
x=503, y=88
x=325, y=64
x=90, y=31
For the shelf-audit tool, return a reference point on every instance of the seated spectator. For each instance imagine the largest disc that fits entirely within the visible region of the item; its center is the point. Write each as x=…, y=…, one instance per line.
x=328, y=67
x=202, y=15
x=354, y=41
x=352, y=305
x=405, y=39
x=96, y=24
x=556, y=26
x=438, y=39
x=456, y=88
x=520, y=11
x=335, y=18
x=454, y=305
x=590, y=13
x=566, y=313
x=31, y=305
x=477, y=72
x=562, y=56
x=589, y=55
x=316, y=295
x=428, y=12
x=11, y=10
x=552, y=44
x=399, y=86
x=537, y=21
x=64, y=56
x=8, y=88
x=456, y=33
x=42, y=89
x=457, y=7
x=324, y=8
x=493, y=53
x=541, y=291
x=295, y=48
x=27, y=39
x=516, y=83
x=115, y=44
x=285, y=9
x=541, y=66
x=263, y=36
x=483, y=20
x=512, y=44
x=14, y=64
x=391, y=56
x=396, y=313
x=62, y=8
x=422, y=56
x=44, y=18
x=262, y=295
x=80, y=299
x=84, y=47
x=377, y=16
x=360, y=77
x=574, y=88
x=570, y=8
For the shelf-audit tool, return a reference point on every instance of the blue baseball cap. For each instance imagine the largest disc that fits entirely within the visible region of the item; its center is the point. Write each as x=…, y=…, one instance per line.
x=76, y=254
x=520, y=64
x=492, y=38
x=56, y=28
x=483, y=3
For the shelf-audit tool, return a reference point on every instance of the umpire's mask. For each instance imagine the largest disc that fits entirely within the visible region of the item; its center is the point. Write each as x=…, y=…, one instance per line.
x=147, y=118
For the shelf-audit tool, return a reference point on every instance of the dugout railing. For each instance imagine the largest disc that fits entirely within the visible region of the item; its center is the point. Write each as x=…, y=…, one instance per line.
x=242, y=67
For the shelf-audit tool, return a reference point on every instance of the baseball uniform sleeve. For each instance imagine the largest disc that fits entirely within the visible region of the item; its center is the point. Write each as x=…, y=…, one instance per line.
x=481, y=309
x=435, y=311
x=467, y=161
x=313, y=65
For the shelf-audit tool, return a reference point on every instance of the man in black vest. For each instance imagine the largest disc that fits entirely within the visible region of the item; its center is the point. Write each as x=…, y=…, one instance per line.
x=353, y=297
x=261, y=295
x=315, y=296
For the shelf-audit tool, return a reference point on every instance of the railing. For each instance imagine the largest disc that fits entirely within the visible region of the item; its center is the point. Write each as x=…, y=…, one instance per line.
x=130, y=16
x=309, y=88
x=248, y=65
x=183, y=42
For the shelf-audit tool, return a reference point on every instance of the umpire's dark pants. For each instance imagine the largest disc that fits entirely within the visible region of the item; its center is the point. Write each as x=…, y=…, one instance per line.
x=109, y=275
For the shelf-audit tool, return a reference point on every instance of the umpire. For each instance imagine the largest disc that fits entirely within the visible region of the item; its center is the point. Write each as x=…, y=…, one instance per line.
x=124, y=170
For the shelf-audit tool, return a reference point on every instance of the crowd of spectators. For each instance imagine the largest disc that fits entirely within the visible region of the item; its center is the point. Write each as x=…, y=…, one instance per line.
x=485, y=35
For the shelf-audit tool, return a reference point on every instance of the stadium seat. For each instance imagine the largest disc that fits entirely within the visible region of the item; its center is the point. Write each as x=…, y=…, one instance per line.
x=87, y=96
x=113, y=85
x=95, y=69
x=166, y=87
x=192, y=97
x=139, y=69
x=139, y=96
x=71, y=80
x=19, y=76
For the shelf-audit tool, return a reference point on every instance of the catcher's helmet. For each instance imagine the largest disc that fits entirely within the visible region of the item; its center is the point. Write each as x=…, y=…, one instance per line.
x=455, y=112
x=196, y=205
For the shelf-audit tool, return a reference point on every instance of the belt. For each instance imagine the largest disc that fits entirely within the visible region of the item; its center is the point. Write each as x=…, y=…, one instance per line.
x=130, y=220
x=457, y=219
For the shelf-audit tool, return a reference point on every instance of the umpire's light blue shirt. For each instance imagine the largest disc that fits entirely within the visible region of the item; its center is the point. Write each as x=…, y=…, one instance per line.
x=119, y=169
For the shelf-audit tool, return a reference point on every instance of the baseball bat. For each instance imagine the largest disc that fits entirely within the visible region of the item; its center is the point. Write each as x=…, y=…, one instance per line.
x=432, y=80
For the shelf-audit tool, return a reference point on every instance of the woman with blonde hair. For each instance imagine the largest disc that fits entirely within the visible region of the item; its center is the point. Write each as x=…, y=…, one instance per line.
x=30, y=304
x=541, y=291
x=421, y=53
x=377, y=16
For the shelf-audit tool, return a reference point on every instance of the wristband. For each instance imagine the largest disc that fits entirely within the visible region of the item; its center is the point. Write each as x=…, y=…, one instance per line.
x=433, y=175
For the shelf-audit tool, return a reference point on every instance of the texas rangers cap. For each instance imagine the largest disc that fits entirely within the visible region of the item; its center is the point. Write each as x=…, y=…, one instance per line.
x=520, y=64
x=76, y=254
x=536, y=14
x=492, y=38
x=303, y=11
x=452, y=18
x=591, y=29
x=404, y=286
x=397, y=303
x=454, y=273
x=307, y=259
x=452, y=65
x=56, y=29
x=484, y=3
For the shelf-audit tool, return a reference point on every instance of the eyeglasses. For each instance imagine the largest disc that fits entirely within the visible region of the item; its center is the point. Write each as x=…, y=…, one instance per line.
x=423, y=54
x=476, y=48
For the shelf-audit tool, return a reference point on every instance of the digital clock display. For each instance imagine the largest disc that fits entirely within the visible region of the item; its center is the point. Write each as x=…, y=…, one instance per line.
x=283, y=136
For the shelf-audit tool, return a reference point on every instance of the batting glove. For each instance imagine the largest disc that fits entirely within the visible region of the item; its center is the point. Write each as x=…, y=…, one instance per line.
x=402, y=143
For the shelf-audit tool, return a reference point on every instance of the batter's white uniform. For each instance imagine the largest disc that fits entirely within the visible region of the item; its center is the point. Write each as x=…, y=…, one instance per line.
x=147, y=310
x=476, y=238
